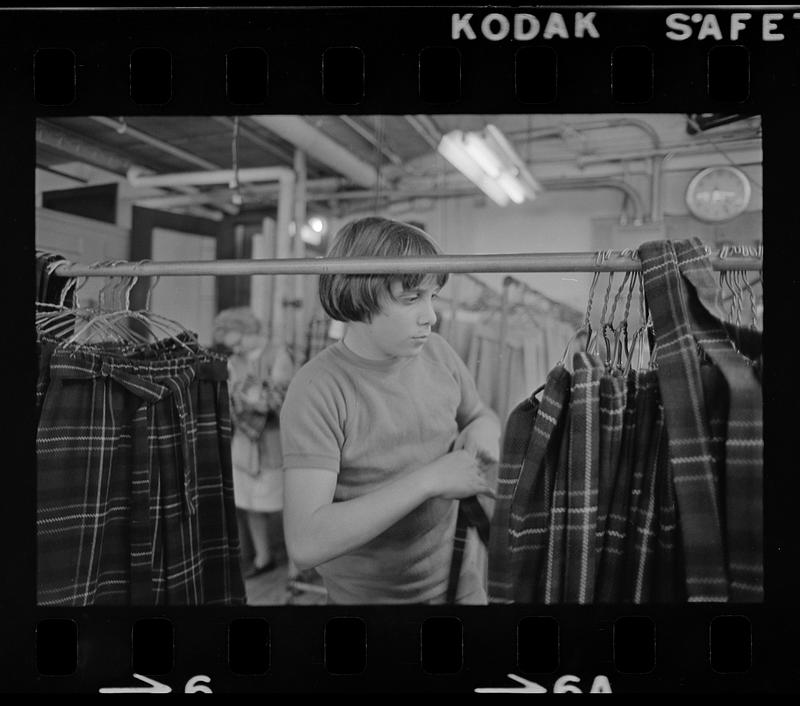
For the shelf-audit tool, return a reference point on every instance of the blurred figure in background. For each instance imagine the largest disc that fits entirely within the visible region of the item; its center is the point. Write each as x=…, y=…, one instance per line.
x=259, y=374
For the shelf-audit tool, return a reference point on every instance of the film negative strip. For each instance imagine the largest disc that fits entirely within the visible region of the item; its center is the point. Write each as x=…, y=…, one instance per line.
x=149, y=135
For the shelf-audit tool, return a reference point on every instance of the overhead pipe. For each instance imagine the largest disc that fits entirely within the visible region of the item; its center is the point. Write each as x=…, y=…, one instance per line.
x=427, y=122
x=369, y=137
x=80, y=148
x=422, y=131
x=605, y=123
x=602, y=183
x=85, y=151
x=248, y=134
x=635, y=198
x=263, y=191
x=319, y=147
x=700, y=148
x=124, y=128
x=219, y=176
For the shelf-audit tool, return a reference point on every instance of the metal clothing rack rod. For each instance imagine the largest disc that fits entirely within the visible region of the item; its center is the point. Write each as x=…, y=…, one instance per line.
x=520, y=262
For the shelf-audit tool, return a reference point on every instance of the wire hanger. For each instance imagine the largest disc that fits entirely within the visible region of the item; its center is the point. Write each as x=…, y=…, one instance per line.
x=114, y=323
x=587, y=325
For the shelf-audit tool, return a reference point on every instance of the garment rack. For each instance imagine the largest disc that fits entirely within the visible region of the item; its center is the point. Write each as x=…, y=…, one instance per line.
x=519, y=262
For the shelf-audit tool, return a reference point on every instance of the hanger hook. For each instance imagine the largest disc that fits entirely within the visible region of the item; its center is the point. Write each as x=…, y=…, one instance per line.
x=151, y=286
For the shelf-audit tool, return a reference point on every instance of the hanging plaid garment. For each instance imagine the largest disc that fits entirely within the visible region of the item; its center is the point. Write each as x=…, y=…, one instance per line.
x=582, y=479
x=551, y=589
x=638, y=524
x=612, y=410
x=611, y=561
x=643, y=512
x=134, y=482
x=669, y=579
x=532, y=496
x=744, y=438
x=516, y=438
x=686, y=418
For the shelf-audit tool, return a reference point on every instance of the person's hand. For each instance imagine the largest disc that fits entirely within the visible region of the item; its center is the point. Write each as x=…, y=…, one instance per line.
x=456, y=475
x=481, y=438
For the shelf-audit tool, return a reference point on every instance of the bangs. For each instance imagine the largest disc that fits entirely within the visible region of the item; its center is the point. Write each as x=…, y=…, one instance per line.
x=413, y=280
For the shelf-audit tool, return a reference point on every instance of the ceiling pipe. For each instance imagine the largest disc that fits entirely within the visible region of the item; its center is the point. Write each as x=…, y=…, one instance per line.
x=699, y=148
x=656, y=163
x=428, y=123
x=283, y=175
x=319, y=147
x=124, y=129
x=250, y=135
x=262, y=191
x=369, y=137
x=219, y=176
x=420, y=129
x=81, y=149
x=633, y=196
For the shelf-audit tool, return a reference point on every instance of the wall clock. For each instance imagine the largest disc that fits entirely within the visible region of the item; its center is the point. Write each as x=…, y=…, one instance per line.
x=718, y=194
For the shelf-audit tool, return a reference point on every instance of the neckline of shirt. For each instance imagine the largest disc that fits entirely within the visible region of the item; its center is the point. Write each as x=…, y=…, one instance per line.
x=388, y=365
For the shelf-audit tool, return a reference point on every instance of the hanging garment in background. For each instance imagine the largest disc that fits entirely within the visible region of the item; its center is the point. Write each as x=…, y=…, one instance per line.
x=743, y=470
x=640, y=486
x=134, y=482
x=720, y=509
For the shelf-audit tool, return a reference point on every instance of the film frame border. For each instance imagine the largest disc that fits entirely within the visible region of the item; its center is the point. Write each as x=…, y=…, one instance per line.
x=398, y=36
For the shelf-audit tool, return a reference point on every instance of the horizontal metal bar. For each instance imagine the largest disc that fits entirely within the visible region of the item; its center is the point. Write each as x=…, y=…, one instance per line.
x=519, y=262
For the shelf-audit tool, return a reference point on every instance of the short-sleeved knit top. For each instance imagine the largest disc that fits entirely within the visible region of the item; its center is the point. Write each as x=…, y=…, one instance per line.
x=370, y=422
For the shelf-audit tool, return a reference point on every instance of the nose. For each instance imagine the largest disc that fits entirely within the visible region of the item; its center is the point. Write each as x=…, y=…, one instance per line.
x=427, y=316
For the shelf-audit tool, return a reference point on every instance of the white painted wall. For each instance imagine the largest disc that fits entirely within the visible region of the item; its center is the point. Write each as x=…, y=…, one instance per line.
x=191, y=301
x=82, y=240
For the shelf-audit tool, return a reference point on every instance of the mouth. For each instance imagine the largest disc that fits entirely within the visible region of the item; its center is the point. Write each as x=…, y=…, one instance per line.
x=423, y=337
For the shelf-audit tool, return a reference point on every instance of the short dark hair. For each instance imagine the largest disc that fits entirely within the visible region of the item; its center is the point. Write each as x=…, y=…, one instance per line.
x=359, y=297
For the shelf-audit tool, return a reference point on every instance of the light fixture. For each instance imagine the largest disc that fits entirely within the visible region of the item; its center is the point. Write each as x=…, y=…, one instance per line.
x=488, y=160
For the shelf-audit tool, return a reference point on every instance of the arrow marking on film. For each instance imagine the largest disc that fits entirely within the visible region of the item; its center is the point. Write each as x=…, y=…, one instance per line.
x=155, y=687
x=528, y=687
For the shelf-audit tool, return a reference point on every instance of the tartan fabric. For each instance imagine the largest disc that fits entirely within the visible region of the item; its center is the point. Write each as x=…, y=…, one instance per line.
x=528, y=527
x=582, y=480
x=514, y=445
x=688, y=430
x=134, y=482
x=744, y=443
x=611, y=564
x=643, y=513
x=470, y=514
x=612, y=410
x=551, y=589
x=669, y=580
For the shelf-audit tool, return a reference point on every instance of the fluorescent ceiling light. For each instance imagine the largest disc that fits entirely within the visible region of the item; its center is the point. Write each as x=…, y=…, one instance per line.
x=488, y=159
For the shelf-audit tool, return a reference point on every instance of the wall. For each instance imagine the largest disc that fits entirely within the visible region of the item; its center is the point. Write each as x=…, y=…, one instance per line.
x=579, y=220
x=81, y=240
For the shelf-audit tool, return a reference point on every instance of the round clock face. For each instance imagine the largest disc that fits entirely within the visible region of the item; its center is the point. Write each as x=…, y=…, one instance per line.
x=718, y=193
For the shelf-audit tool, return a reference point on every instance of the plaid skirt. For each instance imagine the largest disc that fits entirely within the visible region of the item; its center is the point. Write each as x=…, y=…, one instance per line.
x=134, y=481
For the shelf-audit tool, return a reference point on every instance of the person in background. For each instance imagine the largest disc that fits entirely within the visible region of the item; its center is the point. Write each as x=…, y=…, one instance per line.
x=382, y=433
x=258, y=377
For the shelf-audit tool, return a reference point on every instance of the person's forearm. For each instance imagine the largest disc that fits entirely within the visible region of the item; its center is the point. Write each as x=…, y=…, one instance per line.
x=337, y=528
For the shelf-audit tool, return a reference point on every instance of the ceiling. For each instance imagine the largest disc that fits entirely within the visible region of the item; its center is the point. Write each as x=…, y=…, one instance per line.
x=399, y=151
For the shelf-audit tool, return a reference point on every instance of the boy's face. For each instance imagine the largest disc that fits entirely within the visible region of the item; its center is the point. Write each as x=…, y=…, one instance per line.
x=405, y=321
